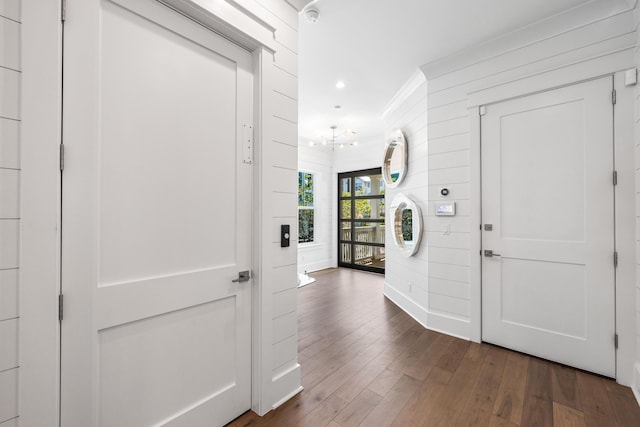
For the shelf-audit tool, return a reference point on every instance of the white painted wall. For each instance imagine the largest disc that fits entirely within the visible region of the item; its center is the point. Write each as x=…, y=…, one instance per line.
x=433, y=284
x=406, y=279
x=367, y=155
x=318, y=255
x=561, y=50
x=10, y=74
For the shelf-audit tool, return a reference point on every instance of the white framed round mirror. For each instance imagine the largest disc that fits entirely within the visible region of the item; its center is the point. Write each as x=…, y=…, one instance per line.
x=407, y=224
x=396, y=155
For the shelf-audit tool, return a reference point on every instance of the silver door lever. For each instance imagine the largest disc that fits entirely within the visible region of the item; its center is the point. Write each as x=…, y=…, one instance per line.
x=489, y=253
x=243, y=276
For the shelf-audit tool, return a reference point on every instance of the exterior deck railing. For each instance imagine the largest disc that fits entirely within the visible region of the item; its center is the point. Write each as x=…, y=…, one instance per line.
x=364, y=254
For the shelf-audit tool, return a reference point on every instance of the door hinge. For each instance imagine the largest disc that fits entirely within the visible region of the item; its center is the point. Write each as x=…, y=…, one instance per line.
x=614, y=97
x=60, y=307
x=61, y=157
x=615, y=258
x=615, y=177
x=247, y=144
x=615, y=340
x=483, y=110
x=63, y=10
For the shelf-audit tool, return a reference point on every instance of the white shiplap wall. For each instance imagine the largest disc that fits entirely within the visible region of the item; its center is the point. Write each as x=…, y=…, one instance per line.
x=561, y=50
x=9, y=208
x=319, y=254
x=406, y=279
x=279, y=371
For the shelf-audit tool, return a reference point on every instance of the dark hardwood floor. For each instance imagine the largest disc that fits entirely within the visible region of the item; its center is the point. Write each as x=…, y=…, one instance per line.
x=365, y=362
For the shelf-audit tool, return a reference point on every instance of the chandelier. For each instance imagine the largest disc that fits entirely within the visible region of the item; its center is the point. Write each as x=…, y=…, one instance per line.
x=337, y=139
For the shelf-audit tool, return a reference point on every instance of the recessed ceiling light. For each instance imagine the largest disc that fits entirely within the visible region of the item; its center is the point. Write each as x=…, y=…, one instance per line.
x=340, y=84
x=337, y=107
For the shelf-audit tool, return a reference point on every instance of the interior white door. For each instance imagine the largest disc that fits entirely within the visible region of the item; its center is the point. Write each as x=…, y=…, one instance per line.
x=156, y=216
x=548, y=217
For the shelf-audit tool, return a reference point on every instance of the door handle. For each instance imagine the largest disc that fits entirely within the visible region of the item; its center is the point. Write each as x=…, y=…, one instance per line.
x=489, y=253
x=243, y=276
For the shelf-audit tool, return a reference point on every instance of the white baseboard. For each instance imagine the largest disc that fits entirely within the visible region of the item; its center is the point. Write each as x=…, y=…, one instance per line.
x=315, y=266
x=636, y=381
x=437, y=322
x=285, y=385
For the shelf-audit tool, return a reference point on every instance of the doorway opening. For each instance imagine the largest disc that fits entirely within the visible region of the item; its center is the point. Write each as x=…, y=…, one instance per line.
x=361, y=220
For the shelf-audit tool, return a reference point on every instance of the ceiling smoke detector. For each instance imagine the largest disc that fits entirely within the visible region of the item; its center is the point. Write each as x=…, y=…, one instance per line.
x=311, y=15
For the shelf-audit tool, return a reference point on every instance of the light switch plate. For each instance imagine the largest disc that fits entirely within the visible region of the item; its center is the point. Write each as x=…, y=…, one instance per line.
x=445, y=208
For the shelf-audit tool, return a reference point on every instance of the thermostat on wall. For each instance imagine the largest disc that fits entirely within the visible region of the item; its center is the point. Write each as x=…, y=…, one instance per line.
x=445, y=208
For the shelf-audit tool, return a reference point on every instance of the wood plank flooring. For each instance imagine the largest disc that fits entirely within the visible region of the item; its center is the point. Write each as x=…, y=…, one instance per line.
x=367, y=363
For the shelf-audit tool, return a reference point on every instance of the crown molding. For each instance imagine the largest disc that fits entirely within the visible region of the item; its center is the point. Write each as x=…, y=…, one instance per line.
x=300, y=4
x=571, y=19
x=415, y=81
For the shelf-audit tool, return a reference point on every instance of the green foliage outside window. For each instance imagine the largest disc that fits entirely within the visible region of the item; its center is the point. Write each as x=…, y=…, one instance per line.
x=306, y=211
x=407, y=225
x=305, y=189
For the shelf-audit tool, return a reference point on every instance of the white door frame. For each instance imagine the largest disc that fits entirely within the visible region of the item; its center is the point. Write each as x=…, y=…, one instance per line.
x=40, y=180
x=624, y=158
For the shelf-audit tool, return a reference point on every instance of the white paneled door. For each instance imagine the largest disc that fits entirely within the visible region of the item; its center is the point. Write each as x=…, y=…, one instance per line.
x=548, y=217
x=156, y=215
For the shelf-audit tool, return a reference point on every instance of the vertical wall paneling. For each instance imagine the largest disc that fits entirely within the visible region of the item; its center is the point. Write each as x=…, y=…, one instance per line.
x=548, y=54
x=10, y=75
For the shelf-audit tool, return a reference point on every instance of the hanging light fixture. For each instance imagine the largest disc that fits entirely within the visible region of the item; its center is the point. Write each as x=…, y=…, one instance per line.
x=335, y=137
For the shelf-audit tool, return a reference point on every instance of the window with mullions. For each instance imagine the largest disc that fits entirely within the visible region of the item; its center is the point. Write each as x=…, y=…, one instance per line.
x=362, y=220
x=306, y=211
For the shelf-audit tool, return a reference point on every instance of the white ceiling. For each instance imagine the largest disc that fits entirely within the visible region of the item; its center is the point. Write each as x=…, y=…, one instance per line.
x=375, y=46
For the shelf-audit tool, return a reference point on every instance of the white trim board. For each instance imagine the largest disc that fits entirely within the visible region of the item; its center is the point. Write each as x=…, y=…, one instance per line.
x=433, y=321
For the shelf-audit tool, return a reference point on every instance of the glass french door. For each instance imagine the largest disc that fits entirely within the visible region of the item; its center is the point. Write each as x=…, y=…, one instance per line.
x=361, y=220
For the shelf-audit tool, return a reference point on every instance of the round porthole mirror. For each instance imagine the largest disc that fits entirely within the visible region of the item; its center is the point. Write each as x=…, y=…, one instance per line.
x=394, y=166
x=407, y=224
